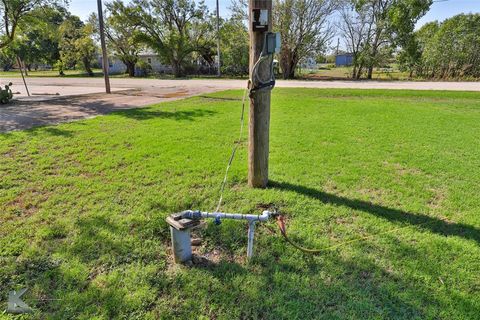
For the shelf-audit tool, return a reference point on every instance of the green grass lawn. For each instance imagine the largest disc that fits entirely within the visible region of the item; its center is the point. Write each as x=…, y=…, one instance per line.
x=98, y=73
x=48, y=73
x=346, y=73
x=83, y=209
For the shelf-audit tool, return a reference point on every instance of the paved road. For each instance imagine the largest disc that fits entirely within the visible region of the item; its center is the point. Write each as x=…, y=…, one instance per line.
x=91, y=85
x=57, y=100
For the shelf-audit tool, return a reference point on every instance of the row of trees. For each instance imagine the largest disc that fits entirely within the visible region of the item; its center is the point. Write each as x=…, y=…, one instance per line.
x=46, y=34
x=450, y=49
x=374, y=29
x=183, y=32
x=179, y=31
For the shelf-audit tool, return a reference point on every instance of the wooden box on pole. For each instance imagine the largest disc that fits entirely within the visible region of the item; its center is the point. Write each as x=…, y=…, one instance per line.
x=259, y=126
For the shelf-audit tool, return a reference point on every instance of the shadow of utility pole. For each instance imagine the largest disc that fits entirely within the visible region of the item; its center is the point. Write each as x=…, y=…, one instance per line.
x=431, y=224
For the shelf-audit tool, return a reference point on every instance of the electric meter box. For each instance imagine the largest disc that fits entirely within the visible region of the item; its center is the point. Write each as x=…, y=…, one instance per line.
x=272, y=43
x=260, y=20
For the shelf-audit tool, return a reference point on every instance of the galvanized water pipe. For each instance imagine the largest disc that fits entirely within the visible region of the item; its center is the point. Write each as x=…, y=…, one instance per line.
x=196, y=215
x=181, y=223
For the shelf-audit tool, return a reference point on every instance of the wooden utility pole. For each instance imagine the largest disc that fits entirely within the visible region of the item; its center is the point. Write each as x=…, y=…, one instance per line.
x=104, y=47
x=20, y=66
x=259, y=126
x=219, y=71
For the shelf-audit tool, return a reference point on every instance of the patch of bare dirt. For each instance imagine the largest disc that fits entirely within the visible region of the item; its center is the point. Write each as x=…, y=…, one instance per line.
x=436, y=201
x=402, y=170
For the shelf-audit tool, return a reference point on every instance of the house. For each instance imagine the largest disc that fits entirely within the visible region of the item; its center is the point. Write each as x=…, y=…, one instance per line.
x=115, y=66
x=154, y=61
x=343, y=59
x=149, y=62
x=308, y=63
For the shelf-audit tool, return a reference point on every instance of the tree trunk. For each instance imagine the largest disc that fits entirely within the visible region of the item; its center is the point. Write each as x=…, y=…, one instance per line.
x=370, y=73
x=288, y=71
x=130, y=68
x=177, y=69
x=88, y=69
x=288, y=68
x=285, y=71
x=288, y=62
x=359, y=72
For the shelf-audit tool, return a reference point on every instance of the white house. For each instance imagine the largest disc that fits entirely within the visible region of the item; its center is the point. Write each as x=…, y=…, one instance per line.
x=151, y=58
x=308, y=63
x=156, y=66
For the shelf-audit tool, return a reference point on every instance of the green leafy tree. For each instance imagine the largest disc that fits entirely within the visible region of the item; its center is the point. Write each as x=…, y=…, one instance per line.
x=171, y=28
x=424, y=36
x=37, y=40
x=86, y=49
x=235, y=47
x=204, y=32
x=122, y=33
x=305, y=30
x=454, y=49
x=450, y=49
x=12, y=13
x=384, y=23
x=7, y=58
x=76, y=45
x=410, y=58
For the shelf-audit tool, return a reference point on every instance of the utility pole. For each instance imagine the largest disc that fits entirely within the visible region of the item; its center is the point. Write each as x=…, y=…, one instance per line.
x=260, y=17
x=219, y=72
x=104, y=47
x=20, y=66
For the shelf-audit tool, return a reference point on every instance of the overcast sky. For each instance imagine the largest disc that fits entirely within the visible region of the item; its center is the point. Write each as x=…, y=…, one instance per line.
x=439, y=11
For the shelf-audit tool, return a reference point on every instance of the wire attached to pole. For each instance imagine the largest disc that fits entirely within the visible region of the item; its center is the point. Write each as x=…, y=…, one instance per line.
x=235, y=148
x=255, y=84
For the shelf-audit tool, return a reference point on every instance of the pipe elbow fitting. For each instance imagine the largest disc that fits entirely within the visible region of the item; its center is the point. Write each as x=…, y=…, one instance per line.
x=264, y=216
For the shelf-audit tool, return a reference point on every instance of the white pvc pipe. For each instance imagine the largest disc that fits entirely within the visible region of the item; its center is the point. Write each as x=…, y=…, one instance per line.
x=251, y=234
x=219, y=215
x=182, y=253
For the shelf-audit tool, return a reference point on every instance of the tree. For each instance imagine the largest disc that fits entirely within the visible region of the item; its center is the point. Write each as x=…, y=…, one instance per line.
x=424, y=65
x=305, y=30
x=76, y=44
x=383, y=24
x=205, y=34
x=7, y=58
x=451, y=49
x=37, y=39
x=170, y=27
x=402, y=19
x=355, y=27
x=235, y=47
x=122, y=33
x=85, y=48
x=12, y=13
